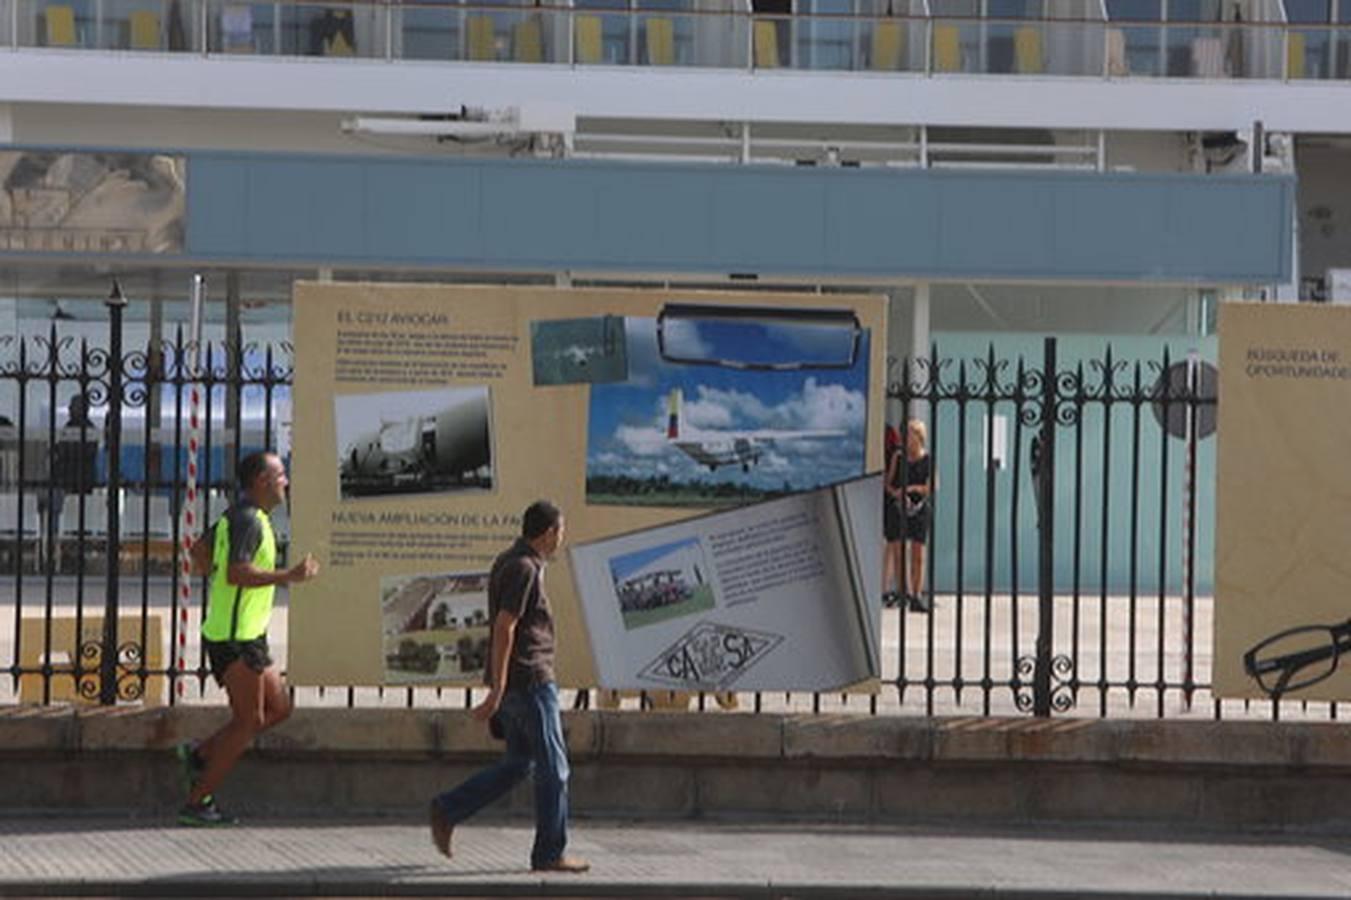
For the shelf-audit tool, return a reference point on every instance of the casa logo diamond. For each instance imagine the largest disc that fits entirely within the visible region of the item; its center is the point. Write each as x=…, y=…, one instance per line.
x=710, y=656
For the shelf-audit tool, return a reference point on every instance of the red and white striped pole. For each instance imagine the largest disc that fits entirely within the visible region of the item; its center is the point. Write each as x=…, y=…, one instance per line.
x=190, y=526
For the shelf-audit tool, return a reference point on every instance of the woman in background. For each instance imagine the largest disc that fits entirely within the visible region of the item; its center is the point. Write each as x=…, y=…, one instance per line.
x=916, y=497
x=892, y=503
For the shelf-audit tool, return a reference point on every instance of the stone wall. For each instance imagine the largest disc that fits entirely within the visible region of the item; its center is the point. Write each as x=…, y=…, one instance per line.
x=338, y=762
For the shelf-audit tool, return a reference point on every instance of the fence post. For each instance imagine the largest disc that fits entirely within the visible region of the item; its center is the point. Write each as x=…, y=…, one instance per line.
x=113, y=423
x=1045, y=485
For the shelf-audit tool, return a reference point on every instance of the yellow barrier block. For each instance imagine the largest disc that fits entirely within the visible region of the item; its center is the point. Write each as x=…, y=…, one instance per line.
x=65, y=649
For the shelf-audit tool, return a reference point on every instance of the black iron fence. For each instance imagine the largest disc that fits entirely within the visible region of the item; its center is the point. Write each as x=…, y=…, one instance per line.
x=94, y=443
x=1068, y=557
x=1072, y=529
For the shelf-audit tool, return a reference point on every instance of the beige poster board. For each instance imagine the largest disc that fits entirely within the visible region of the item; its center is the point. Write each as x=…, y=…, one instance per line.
x=1283, y=504
x=427, y=417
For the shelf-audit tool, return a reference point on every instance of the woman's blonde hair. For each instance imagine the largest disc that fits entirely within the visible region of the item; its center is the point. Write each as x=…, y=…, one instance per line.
x=919, y=428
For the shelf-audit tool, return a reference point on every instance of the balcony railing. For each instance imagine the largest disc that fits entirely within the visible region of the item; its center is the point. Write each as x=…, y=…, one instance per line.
x=728, y=39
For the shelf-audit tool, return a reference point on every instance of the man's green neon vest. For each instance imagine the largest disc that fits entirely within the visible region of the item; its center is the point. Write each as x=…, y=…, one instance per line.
x=239, y=613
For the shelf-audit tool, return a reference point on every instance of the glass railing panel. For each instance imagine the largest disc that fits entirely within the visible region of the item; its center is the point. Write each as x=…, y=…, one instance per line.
x=1018, y=47
x=494, y=34
x=1319, y=52
x=958, y=45
x=146, y=25
x=604, y=37
x=1311, y=53
x=1341, y=54
x=1255, y=51
x=296, y=29
x=1136, y=50
x=893, y=44
x=692, y=40
x=300, y=29
x=1063, y=48
x=65, y=24
x=1194, y=52
x=429, y=32
x=235, y=27
x=821, y=42
x=606, y=34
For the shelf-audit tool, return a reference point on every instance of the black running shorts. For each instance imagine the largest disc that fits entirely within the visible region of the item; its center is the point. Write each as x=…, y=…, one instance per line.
x=254, y=653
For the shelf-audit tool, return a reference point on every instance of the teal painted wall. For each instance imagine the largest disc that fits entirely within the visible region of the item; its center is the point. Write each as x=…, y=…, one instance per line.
x=1106, y=481
x=514, y=215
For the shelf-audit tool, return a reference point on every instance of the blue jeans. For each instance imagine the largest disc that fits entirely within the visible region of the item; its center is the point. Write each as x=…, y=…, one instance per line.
x=534, y=734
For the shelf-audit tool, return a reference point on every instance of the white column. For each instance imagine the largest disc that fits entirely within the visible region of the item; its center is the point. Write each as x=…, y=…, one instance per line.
x=919, y=324
x=6, y=128
x=919, y=345
x=1289, y=292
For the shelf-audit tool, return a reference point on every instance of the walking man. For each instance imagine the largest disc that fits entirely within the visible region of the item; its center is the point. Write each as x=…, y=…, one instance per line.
x=522, y=699
x=243, y=555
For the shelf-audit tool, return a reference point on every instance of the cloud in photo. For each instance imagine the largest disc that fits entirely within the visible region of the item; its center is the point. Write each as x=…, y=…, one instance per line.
x=627, y=421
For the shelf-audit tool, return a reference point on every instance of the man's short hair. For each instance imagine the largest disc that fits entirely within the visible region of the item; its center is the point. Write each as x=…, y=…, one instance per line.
x=539, y=517
x=250, y=467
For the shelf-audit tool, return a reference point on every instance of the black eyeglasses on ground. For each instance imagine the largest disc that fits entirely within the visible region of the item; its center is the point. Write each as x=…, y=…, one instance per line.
x=1296, y=658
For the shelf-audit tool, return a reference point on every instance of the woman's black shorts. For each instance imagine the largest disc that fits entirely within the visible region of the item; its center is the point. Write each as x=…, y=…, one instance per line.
x=254, y=653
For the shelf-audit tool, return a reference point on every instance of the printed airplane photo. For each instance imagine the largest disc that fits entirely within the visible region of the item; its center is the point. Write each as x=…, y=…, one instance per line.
x=578, y=351
x=413, y=442
x=687, y=433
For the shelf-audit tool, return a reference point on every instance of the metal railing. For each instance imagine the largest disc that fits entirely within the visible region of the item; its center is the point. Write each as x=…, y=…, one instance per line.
x=90, y=510
x=1070, y=553
x=729, y=39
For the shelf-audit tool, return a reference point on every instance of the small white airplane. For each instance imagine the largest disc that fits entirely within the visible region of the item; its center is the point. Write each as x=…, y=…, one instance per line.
x=727, y=448
x=578, y=355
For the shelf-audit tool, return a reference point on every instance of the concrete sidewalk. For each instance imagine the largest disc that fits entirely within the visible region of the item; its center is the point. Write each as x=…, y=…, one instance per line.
x=382, y=857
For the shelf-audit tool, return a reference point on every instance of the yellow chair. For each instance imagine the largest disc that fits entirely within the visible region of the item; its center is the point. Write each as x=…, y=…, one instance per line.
x=482, y=38
x=338, y=46
x=1294, y=49
x=660, y=36
x=144, y=30
x=60, y=21
x=947, y=48
x=527, y=44
x=587, y=34
x=886, y=46
x=766, y=45
x=1027, y=59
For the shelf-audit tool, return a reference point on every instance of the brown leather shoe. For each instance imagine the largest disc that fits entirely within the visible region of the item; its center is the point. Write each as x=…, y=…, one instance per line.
x=569, y=864
x=441, y=830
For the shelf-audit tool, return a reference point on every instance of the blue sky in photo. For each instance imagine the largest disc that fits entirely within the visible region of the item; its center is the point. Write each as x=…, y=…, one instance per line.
x=623, y=566
x=626, y=427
